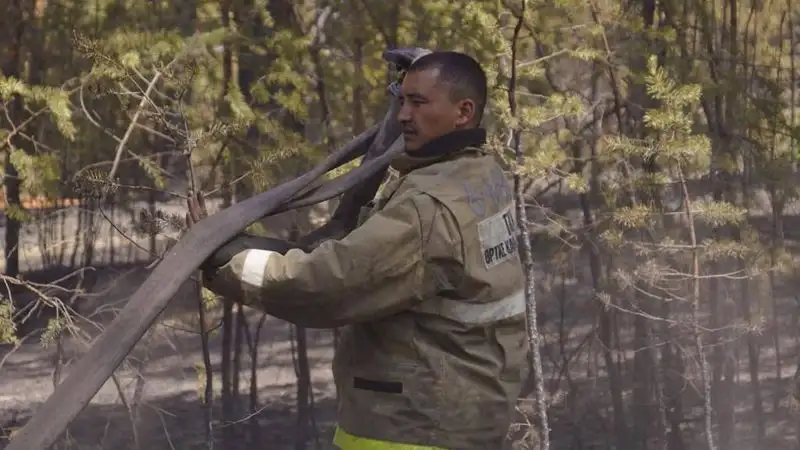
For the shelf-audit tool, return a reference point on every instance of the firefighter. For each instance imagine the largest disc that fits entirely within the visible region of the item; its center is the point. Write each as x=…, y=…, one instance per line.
x=428, y=287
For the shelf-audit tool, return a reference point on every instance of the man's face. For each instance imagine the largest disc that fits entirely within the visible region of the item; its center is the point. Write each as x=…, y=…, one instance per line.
x=427, y=110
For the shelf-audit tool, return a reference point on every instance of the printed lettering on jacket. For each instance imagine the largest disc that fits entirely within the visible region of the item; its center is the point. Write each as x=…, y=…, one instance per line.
x=497, y=236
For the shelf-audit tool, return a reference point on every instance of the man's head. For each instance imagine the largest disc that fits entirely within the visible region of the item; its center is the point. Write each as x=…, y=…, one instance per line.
x=441, y=92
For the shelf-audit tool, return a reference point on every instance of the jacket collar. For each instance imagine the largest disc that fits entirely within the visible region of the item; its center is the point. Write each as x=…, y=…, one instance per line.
x=440, y=149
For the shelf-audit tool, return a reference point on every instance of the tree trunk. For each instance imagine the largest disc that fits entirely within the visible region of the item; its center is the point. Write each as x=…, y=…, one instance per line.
x=228, y=324
x=13, y=31
x=303, y=373
x=621, y=436
x=238, y=349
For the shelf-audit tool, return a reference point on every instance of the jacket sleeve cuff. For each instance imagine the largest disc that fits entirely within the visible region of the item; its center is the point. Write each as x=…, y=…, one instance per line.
x=242, y=278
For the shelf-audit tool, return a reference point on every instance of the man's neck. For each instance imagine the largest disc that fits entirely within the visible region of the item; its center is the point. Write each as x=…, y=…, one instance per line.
x=440, y=149
x=450, y=143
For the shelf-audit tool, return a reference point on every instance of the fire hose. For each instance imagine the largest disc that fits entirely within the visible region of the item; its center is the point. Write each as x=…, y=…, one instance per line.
x=378, y=145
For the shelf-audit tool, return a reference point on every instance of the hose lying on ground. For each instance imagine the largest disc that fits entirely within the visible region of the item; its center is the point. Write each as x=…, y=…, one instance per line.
x=379, y=145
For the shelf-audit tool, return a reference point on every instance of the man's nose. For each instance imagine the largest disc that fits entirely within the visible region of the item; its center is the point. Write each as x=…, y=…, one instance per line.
x=404, y=113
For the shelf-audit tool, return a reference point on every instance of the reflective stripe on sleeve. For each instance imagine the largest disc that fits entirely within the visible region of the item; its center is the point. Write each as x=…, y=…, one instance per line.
x=476, y=313
x=255, y=262
x=346, y=441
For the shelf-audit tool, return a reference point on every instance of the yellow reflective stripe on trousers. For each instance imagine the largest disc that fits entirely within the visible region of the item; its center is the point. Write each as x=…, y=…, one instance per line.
x=346, y=441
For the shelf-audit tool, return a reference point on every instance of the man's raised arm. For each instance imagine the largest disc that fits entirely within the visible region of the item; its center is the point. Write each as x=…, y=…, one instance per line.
x=375, y=271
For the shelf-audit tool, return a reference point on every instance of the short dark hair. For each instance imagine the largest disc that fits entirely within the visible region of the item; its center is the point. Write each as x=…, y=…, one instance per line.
x=464, y=75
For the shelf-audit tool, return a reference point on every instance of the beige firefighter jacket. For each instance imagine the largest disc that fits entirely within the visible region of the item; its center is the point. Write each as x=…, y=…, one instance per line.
x=430, y=287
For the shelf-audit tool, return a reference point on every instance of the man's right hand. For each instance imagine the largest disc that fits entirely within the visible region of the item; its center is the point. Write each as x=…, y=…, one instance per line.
x=196, y=204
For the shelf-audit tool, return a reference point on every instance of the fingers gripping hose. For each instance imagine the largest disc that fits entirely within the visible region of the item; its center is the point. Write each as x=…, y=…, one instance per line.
x=378, y=145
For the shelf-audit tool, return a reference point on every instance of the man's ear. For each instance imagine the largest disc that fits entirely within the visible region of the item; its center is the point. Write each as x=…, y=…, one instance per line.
x=466, y=112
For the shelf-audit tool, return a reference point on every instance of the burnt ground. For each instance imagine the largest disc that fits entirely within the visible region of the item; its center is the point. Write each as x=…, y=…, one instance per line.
x=171, y=409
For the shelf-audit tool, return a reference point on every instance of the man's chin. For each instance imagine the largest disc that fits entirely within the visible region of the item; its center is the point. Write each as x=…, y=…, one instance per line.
x=411, y=144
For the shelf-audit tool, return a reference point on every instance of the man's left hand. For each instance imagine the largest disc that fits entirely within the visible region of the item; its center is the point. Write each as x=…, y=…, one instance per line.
x=246, y=241
x=241, y=242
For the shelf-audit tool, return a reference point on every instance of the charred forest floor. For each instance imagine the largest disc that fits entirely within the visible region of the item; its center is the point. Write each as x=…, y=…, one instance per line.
x=171, y=410
x=170, y=413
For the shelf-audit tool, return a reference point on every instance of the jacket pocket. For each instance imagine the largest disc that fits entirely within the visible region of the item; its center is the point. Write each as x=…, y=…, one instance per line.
x=514, y=342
